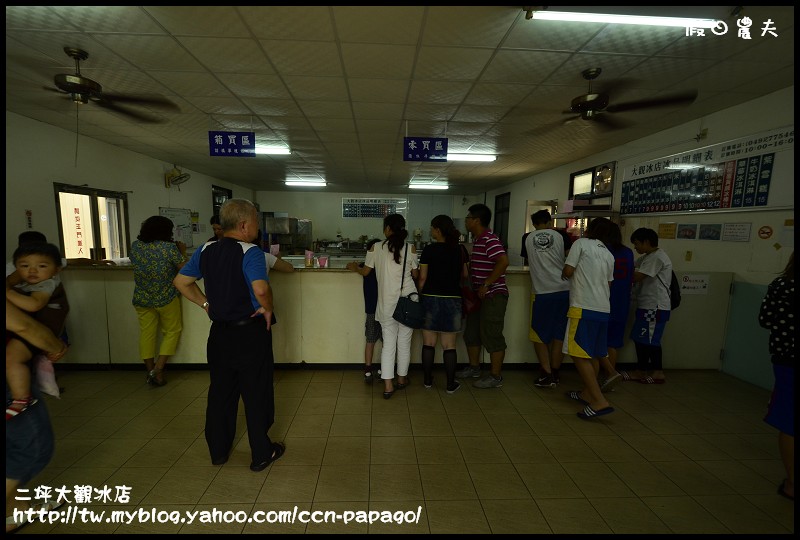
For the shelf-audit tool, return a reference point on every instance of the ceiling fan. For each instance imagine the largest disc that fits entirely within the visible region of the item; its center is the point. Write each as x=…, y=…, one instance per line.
x=84, y=90
x=597, y=107
x=175, y=177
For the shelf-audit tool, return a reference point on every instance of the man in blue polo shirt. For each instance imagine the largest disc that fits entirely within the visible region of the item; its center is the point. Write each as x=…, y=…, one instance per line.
x=238, y=299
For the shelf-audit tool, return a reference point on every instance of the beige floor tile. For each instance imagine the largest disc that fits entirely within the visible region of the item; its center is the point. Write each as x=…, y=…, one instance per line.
x=629, y=515
x=96, y=427
x=125, y=408
x=431, y=425
x=233, y=519
x=285, y=389
x=697, y=423
x=768, y=468
x=338, y=526
x=497, y=481
x=470, y=424
x=482, y=450
x=645, y=480
x=572, y=516
x=347, y=451
x=140, y=480
x=512, y=424
x=446, y=482
x=326, y=376
x=494, y=403
x=778, y=508
x=612, y=448
x=233, y=485
x=654, y=447
x=64, y=425
x=353, y=405
x=168, y=405
x=526, y=449
x=181, y=485
x=154, y=453
x=197, y=407
x=391, y=425
x=597, y=480
x=392, y=450
x=322, y=390
x=180, y=427
x=547, y=481
x=515, y=517
x=462, y=402
x=735, y=446
x=569, y=448
x=528, y=403
x=116, y=452
x=693, y=478
x=394, y=483
x=432, y=450
x=312, y=405
x=287, y=405
x=548, y=424
x=742, y=479
x=343, y=483
x=287, y=484
x=661, y=424
x=456, y=517
x=351, y=425
x=302, y=451
x=141, y=427
x=310, y=425
x=739, y=515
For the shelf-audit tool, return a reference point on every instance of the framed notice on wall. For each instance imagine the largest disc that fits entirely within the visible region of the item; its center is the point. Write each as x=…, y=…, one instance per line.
x=182, y=223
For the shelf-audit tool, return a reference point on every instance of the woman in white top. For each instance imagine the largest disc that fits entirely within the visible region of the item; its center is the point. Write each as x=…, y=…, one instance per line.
x=390, y=259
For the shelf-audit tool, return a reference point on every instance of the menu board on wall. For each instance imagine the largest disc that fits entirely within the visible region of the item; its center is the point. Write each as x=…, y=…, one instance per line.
x=735, y=174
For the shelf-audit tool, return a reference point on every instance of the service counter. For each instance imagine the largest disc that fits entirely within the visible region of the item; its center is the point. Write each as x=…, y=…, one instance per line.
x=320, y=314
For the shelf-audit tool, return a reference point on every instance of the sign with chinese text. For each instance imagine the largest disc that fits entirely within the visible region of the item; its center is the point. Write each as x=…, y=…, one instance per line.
x=735, y=174
x=425, y=149
x=232, y=143
x=694, y=284
x=736, y=232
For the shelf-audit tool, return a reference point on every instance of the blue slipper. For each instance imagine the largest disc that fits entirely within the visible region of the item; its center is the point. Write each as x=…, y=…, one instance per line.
x=576, y=395
x=588, y=412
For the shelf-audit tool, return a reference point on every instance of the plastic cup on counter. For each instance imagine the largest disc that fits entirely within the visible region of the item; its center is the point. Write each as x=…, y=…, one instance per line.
x=323, y=261
x=309, y=259
x=275, y=249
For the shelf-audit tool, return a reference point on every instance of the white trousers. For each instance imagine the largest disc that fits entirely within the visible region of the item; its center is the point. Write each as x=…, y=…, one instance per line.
x=396, y=342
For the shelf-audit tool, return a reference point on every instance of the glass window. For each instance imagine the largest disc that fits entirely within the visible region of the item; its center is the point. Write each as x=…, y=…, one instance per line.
x=92, y=223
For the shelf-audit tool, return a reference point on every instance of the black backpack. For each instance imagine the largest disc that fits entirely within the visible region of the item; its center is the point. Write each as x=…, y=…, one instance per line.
x=674, y=291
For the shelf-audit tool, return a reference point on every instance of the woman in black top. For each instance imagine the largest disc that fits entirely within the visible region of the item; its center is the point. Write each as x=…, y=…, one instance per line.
x=441, y=269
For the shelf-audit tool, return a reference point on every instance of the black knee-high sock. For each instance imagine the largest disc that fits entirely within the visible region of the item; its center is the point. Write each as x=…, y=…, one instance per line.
x=642, y=356
x=428, y=353
x=655, y=356
x=450, y=357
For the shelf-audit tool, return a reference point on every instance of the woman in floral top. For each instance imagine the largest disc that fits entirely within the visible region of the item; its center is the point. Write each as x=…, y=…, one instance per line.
x=156, y=260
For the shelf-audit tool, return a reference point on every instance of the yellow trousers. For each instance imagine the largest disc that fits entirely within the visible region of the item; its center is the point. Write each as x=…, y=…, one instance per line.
x=169, y=317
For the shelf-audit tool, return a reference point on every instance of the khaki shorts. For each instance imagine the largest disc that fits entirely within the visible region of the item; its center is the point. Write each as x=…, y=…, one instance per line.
x=485, y=326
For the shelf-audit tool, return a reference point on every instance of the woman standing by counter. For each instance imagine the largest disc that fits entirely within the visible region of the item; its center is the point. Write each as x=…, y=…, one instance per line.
x=156, y=260
x=394, y=263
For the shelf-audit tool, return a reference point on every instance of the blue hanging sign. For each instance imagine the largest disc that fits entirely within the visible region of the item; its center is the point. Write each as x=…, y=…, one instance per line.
x=425, y=149
x=232, y=143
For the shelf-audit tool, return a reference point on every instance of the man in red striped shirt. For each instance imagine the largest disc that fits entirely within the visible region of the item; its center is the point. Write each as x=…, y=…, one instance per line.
x=488, y=264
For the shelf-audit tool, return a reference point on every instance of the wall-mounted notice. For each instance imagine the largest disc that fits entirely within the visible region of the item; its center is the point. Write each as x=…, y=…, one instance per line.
x=182, y=224
x=667, y=230
x=687, y=231
x=694, y=284
x=710, y=231
x=734, y=174
x=736, y=232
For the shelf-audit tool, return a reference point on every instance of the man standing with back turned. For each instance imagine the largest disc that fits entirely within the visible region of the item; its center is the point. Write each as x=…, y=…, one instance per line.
x=239, y=345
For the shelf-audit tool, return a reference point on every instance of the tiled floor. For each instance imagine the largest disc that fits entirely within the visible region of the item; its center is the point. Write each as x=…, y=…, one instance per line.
x=689, y=456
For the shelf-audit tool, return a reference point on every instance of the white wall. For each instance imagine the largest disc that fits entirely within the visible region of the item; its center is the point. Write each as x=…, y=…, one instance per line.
x=38, y=154
x=756, y=261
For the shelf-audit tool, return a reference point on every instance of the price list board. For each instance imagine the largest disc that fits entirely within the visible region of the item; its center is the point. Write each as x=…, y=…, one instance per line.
x=372, y=208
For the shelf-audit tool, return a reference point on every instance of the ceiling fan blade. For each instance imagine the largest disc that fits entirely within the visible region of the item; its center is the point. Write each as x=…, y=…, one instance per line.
x=683, y=98
x=135, y=115
x=615, y=86
x=148, y=100
x=608, y=122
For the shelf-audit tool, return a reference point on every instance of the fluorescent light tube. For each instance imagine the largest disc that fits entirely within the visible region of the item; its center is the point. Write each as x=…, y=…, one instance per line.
x=428, y=186
x=471, y=157
x=272, y=150
x=305, y=184
x=683, y=22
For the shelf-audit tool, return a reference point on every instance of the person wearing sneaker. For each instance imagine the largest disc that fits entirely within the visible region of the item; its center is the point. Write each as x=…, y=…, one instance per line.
x=590, y=267
x=484, y=328
x=547, y=248
x=441, y=268
x=372, y=328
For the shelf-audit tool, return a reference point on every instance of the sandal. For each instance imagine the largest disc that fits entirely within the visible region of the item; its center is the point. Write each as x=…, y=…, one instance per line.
x=400, y=386
x=651, y=380
x=387, y=395
x=576, y=395
x=48, y=506
x=627, y=377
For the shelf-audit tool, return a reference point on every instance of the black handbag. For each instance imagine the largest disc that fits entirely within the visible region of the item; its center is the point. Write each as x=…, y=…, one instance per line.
x=408, y=312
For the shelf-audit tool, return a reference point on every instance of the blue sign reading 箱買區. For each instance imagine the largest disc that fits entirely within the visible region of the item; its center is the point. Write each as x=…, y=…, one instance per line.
x=232, y=143
x=424, y=148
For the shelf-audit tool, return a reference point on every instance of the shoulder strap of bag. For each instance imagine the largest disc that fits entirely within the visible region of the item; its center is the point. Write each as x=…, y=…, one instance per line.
x=403, y=278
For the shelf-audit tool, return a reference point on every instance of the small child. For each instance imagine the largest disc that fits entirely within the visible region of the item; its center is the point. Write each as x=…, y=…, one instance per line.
x=372, y=328
x=35, y=287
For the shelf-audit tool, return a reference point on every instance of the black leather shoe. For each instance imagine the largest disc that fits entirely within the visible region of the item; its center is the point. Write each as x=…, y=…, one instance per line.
x=256, y=467
x=221, y=461
x=277, y=451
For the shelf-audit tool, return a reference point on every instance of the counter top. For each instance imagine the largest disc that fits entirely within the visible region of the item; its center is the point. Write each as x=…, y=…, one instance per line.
x=107, y=268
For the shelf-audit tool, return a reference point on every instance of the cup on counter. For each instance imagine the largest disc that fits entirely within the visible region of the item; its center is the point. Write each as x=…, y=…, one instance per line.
x=323, y=261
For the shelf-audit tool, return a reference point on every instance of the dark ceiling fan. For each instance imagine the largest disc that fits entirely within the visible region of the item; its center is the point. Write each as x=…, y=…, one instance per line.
x=84, y=90
x=597, y=107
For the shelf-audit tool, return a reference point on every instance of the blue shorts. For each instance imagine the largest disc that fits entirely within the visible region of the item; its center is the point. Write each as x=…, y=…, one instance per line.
x=648, y=327
x=442, y=314
x=29, y=440
x=780, y=413
x=616, y=333
x=586, y=335
x=548, y=316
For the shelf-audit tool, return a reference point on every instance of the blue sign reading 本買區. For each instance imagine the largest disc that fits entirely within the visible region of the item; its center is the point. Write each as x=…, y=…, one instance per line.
x=424, y=148
x=232, y=143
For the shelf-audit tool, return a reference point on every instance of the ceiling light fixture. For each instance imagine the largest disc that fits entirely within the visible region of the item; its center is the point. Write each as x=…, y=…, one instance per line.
x=428, y=186
x=305, y=184
x=471, y=157
x=683, y=22
x=272, y=150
